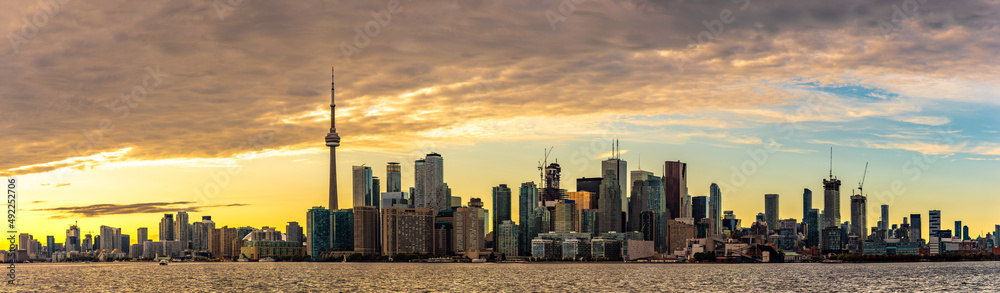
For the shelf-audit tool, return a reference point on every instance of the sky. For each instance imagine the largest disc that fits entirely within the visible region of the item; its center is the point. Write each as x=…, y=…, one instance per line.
x=116, y=112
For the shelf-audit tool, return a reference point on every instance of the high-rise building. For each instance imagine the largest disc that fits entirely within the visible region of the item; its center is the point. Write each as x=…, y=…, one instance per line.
x=123, y=242
x=715, y=208
x=584, y=199
x=333, y=141
x=317, y=231
x=374, y=197
x=50, y=244
x=293, y=232
x=884, y=220
x=142, y=234
x=507, y=238
x=831, y=203
x=638, y=201
x=807, y=204
x=933, y=223
x=430, y=190
x=200, y=236
x=109, y=239
x=771, y=211
x=73, y=238
x=965, y=233
x=699, y=208
x=342, y=230
x=407, y=230
x=167, y=228
x=394, y=199
x=566, y=217
x=182, y=229
x=551, y=192
x=367, y=237
x=469, y=236
x=958, y=229
x=589, y=184
x=859, y=216
x=915, y=227
x=619, y=169
x=812, y=237
x=996, y=235
x=501, y=206
x=610, y=203
x=362, y=179
x=526, y=202
x=589, y=221
x=675, y=186
x=393, y=177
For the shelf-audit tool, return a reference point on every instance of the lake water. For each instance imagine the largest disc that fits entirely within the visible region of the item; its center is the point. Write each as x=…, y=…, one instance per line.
x=562, y=277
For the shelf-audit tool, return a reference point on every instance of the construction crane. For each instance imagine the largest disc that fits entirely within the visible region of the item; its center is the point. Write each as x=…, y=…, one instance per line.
x=861, y=185
x=541, y=166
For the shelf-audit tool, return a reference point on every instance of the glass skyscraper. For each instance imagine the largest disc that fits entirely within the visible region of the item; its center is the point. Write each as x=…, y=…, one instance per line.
x=318, y=231
x=342, y=230
x=501, y=206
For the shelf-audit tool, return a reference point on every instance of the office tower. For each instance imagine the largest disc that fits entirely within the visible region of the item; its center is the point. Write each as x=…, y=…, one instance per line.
x=686, y=206
x=965, y=233
x=715, y=208
x=429, y=188
x=373, y=197
x=317, y=231
x=619, y=169
x=501, y=205
x=367, y=237
x=551, y=192
x=807, y=203
x=958, y=229
x=771, y=211
x=884, y=221
x=507, y=238
x=362, y=179
x=933, y=223
x=200, y=236
x=107, y=237
x=812, y=237
x=342, y=230
x=831, y=202
x=584, y=199
x=407, y=230
x=859, y=216
x=333, y=141
x=699, y=208
x=589, y=184
x=167, y=228
x=73, y=239
x=50, y=244
x=649, y=226
x=674, y=186
x=393, y=177
x=469, y=236
x=915, y=227
x=24, y=241
x=610, y=203
x=394, y=199
x=124, y=242
x=182, y=229
x=142, y=234
x=85, y=244
x=637, y=202
x=526, y=202
x=565, y=217
x=293, y=232
x=589, y=221
x=996, y=235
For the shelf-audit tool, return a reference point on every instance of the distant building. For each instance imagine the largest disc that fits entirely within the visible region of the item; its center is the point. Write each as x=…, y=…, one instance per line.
x=771, y=211
x=812, y=226
x=610, y=203
x=807, y=204
x=934, y=222
x=675, y=186
x=293, y=232
x=859, y=216
x=589, y=221
x=182, y=229
x=915, y=227
x=167, y=227
x=367, y=237
x=501, y=206
x=407, y=230
x=318, y=231
x=566, y=217
x=507, y=238
x=576, y=248
x=527, y=201
x=677, y=234
x=395, y=199
x=605, y=248
x=393, y=177
x=342, y=230
x=699, y=208
x=469, y=233
x=270, y=248
x=430, y=191
x=545, y=249
x=364, y=195
x=831, y=241
x=715, y=208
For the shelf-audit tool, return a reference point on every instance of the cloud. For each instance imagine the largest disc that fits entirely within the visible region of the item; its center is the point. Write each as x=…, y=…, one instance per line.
x=468, y=71
x=926, y=120
x=125, y=209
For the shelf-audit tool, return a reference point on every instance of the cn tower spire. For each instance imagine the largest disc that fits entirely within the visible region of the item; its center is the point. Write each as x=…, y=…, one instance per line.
x=333, y=141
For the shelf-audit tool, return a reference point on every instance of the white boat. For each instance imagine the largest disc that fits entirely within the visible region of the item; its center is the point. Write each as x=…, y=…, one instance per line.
x=441, y=259
x=163, y=262
x=266, y=259
x=479, y=260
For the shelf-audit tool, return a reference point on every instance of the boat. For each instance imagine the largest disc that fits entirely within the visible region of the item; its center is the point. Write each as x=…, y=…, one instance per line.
x=243, y=260
x=441, y=259
x=163, y=262
x=266, y=259
x=479, y=260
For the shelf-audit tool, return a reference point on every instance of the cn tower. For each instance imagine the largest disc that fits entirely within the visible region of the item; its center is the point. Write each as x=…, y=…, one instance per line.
x=333, y=141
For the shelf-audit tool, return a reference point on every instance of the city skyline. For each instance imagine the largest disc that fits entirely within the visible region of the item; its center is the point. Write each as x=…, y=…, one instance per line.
x=754, y=109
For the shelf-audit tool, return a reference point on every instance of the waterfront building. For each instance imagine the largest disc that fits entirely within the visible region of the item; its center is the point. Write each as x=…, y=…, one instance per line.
x=675, y=186
x=714, y=208
x=277, y=249
x=610, y=203
x=501, y=205
x=859, y=214
x=771, y=211
x=916, y=227
x=470, y=237
x=934, y=222
x=566, y=217
x=364, y=195
x=167, y=227
x=182, y=229
x=430, y=191
x=367, y=234
x=393, y=177
x=507, y=238
x=527, y=201
x=318, y=231
x=602, y=248
x=407, y=230
x=342, y=230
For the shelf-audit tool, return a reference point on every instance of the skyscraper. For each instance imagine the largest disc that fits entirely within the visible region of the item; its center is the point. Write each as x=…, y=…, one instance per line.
x=407, y=230
x=109, y=239
x=715, y=208
x=807, y=204
x=393, y=177
x=333, y=141
x=915, y=227
x=182, y=229
x=771, y=211
x=468, y=229
x=831, y=202
x=367, y=237
x=507, y=238
x=526, y=202
x=589, y=184
x=859, y=216
x=885, y=221
x=73, y=239
x=200, y=236
x=501, y=206
x=619, y=169
x=374, y=197
x=342, y=230
x=933, y=223
x=362, y=179
x=699, y=208
x=812, y=237
x=958, y=229
x=293, y=232
x=167, y=227
x=142, y=234
x=610, y=203
x=674, y=186
x=430, y=190
x=317, y=230
x=965, y=233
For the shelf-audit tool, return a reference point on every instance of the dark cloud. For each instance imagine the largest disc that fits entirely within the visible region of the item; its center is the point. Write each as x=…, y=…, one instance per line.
x=227, y=80
x=125, y=209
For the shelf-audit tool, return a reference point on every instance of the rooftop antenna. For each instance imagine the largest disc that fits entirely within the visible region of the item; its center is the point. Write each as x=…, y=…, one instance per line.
x=831, y=163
